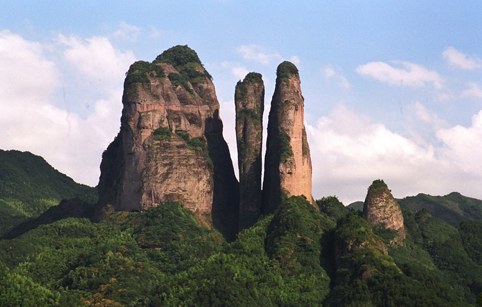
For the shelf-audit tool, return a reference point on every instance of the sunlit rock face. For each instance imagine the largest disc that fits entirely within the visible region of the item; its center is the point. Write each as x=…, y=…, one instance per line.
x=288, y=162
x=381, y=208
x=249, y=103
x=170, y=146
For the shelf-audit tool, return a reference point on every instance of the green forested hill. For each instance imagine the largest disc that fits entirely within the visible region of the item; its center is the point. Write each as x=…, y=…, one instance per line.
x=29, y=186
x=452, y=208
x=167, y=255
x=296, y=257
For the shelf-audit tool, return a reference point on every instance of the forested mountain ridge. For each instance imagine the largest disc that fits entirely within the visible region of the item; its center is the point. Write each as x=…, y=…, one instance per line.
x=168, y=229
x=452, y=208
x=166, y=256
x=29, y=186
x=296, y=257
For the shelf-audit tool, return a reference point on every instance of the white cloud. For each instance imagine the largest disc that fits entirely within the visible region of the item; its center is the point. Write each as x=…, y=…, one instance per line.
x=474, y=90
x=410, y=75
x=461, y=60
x=329, y=73
x=263, y=56
x=31, y=120
x=238, y=70
x=155, y=33
x=127, y=32
x=464, y=145
x=259, y=54
x=26, y=72
x=426, y=115
x=96, y=57
x=349, y=152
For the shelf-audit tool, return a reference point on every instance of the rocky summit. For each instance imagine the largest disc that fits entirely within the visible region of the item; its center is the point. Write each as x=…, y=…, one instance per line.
x=170, y=146
x=249, y=102
x=381, y=208
x=287, y=163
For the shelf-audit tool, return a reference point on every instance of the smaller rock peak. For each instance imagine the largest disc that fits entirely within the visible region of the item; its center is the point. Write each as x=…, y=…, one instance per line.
x=381, y=208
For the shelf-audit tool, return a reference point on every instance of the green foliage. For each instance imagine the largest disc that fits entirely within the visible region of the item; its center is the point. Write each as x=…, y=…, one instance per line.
x=177, y=79
x=29, y=186
x=185, y=60
x=137, y=73
x=254, y=115
x=285, y=70
x=194, y=144
x=332, y=207
x=452, y=208
x=18, y=290
x=118, y=261
x=294, y=239
x=244, y=273
x=377, y=186
x=285, y=150
x=367, y=277
x=386, y=234
x=253, y=77
x=443, y=242
x=162, y=133
x=178, y=56
x=356, y=206
x=295, y=257
x=197, y=144
x=471, y=235
x=241, y=89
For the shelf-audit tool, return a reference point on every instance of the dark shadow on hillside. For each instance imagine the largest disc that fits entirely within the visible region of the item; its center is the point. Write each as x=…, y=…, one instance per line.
x=66, y=208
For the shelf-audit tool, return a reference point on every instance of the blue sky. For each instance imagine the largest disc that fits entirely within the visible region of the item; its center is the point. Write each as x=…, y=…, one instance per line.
x=392, y=89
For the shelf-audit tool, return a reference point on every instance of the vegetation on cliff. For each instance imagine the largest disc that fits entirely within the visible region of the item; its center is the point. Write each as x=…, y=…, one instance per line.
x=186, y=61
x=249, y=103
x=137, y=73
x=286, y=69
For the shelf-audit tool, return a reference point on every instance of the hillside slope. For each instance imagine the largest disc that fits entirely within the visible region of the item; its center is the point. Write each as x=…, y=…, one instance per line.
x=29, y=186
x=452, y=208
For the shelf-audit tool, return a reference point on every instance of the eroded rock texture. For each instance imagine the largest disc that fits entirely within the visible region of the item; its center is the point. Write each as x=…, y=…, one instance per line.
x=381, y=208
x=249, y=102
x=170, y=146
x=288, y=162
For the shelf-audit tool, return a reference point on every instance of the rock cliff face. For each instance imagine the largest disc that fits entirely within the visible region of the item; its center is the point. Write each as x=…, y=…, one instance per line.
x=381, y=208
x=288, y=162
x=249, y=101
x=170, y=146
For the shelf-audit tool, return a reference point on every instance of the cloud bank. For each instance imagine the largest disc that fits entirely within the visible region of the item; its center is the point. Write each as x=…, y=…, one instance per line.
x=460, y=60
x=411, y=74
x=34, y=117
x=349, y=152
